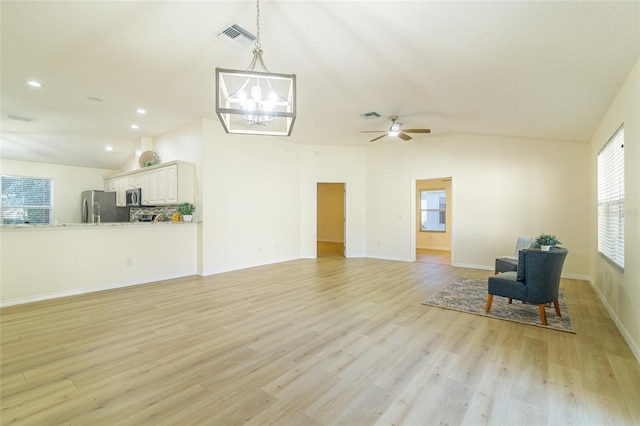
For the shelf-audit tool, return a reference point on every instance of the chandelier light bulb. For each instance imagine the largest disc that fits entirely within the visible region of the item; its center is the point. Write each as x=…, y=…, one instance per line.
x=256, y=93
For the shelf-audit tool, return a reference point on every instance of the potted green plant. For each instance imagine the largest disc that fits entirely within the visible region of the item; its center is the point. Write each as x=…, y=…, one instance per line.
x=186, y=211
x=547, y=241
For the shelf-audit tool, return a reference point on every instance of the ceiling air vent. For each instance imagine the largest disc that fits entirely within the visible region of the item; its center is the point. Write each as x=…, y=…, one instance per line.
x=18, y=117
x=236, y=36
x=370, y=115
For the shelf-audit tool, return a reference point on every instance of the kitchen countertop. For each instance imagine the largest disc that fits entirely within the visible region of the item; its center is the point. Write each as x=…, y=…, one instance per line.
x=33, y=226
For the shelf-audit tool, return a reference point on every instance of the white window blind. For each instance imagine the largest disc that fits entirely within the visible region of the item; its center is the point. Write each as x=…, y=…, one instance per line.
x=26, y=200
x=611, y=200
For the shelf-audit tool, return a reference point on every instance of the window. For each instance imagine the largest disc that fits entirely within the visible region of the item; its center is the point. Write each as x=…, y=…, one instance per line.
x=26, y=200
x=433, y=210
x=611, y=200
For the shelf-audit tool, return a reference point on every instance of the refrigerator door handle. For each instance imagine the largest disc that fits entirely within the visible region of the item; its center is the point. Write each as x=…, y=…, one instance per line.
x=85, y=211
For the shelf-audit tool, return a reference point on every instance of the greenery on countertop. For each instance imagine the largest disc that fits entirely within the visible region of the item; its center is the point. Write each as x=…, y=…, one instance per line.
x=186, y=209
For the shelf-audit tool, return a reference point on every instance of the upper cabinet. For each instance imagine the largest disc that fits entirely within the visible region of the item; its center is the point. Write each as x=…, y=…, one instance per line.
x=162, y=184
x=119, y=185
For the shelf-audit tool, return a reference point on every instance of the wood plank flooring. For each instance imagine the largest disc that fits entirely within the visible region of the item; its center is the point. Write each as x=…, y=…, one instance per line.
x=327, y=341
x=442, y=257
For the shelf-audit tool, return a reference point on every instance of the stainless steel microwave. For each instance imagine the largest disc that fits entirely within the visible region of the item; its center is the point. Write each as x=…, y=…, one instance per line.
x=134, y=197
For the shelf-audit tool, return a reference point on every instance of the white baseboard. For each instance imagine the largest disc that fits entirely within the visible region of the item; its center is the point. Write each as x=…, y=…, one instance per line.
x=86, y=290
x=249, y=265
x=397, y=259
x=577, y=277
x=472, y=266
x=627, y=337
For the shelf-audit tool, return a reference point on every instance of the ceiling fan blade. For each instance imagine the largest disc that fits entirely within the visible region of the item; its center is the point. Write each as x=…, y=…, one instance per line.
x=374, y=131
x=404, y=137
x=379, y=137
x=416, y=130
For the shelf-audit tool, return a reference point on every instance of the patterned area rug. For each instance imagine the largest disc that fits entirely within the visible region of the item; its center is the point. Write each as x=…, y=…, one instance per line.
x=470, y=295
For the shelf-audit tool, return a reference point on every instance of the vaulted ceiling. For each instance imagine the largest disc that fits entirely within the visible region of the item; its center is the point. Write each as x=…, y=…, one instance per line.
x=542, y=70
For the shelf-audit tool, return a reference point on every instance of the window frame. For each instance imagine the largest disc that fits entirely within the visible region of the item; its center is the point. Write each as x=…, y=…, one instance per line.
x=46, y=205
x=442, y=211
x=610, y=181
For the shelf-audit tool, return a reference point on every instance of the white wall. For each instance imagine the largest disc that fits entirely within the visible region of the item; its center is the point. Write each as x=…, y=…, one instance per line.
x=341, y=164
x=251, y=200
x=68, y=183
x=40, y=263
x=502, y=188
x=621, y=292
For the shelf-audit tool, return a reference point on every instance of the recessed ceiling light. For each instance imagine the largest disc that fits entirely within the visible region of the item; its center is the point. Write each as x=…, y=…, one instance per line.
x=108, y=148
x=135, y=126
x=141, y=111
x=34, y=83
x=94, y=99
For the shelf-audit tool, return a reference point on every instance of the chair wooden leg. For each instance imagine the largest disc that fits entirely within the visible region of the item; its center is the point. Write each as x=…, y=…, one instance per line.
x=543, y=314
x=510, y=300
x=555, y=303
x=489, y=301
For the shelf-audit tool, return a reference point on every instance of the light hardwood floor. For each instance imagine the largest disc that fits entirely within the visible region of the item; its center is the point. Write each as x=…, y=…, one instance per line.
x=328, y=341
x=442, y=257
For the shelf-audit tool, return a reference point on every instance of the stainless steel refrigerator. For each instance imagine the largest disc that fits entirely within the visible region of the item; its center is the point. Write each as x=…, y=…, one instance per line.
x=100, y=204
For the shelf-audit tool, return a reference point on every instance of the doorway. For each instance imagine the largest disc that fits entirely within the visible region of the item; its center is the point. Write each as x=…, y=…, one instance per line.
x=434, y=224
x=330, y=214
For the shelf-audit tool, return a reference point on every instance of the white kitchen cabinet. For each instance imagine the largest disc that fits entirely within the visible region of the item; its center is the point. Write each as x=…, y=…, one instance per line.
x=161, y=185
x=144, y=188
x=152, y=189
x=121, y=191
x=133, y=181
x=172, y=185
x=161, y=179
x=111, y=185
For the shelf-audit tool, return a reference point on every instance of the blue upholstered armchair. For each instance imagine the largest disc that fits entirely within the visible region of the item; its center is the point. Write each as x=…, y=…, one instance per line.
x=536, y=280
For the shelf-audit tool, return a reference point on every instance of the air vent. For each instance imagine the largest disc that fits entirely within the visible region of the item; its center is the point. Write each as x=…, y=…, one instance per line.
x=236, y=36
x=370, y=115
x=18, y=117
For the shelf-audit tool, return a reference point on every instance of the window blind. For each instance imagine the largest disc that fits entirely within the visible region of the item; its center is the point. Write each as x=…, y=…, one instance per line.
x=611, y=200
x=26, y=200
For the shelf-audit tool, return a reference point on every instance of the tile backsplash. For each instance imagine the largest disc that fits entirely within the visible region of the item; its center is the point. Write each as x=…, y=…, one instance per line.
x=164, y=212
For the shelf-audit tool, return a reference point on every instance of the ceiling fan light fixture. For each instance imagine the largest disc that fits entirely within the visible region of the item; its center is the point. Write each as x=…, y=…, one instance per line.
x=256, y=101
x=396, y=130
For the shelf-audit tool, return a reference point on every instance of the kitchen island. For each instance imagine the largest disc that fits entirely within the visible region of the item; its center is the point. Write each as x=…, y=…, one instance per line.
x=41, y=262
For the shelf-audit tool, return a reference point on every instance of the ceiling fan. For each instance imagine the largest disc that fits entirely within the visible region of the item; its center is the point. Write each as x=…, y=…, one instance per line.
x=394, y=130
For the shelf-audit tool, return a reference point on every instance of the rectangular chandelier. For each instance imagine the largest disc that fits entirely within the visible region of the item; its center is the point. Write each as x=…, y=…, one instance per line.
x=256, y=103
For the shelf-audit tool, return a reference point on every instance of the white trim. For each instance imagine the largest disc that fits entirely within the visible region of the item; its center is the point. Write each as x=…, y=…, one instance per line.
x=627, y=337
x=397, y=259
x=472, y=266
x=87, y=290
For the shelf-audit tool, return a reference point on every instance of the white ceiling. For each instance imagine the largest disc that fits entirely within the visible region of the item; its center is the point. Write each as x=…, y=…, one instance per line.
x=543, y=70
